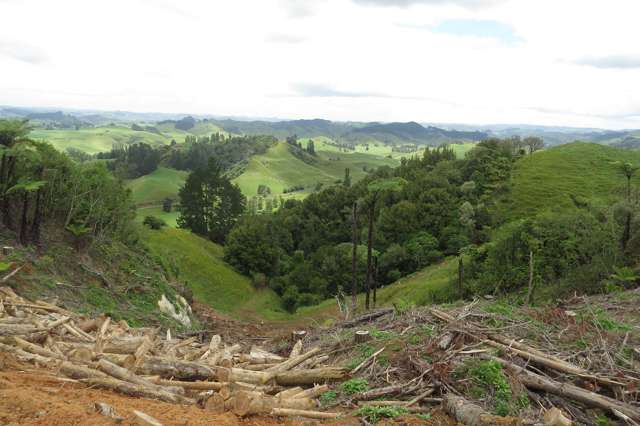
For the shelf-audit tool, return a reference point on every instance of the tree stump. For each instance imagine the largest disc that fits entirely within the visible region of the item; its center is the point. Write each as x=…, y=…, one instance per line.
x=298, y=335
x=7, y=250
x=361, y=336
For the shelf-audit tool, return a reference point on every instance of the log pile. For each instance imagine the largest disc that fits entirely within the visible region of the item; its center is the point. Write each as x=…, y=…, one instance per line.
x=142, y=362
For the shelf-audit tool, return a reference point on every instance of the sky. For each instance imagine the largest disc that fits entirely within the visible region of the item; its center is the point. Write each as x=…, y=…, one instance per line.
x=547, y=62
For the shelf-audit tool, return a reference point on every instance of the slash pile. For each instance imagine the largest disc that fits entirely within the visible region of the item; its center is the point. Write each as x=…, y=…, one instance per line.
x=140, y=362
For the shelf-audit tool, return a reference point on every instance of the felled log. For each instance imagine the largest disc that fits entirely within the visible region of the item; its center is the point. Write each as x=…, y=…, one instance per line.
x=555, y=417
x=256, y=367
x=471, y=414
x=312, y=376
x=247, y=404
x=313, y=392
x=122, y=360
x=215, y=404
x=288, y=412
x=171, y=368
x=296, y=350
x=143, y=419
x=108, y=411
x=26, y=356
x=123, y=346
x=101, y=334
x=240, y=375
x=132, y=389
x=292, y=362
x=289, y=393
x=298, y=335
x=198, y=385
x=377, y=393
x=538, y=382
x=142, y=350
x=126, y=375
x=79, y=372
x=18, y=329
x=81, y=355
x=36, y=349
x=367, y=317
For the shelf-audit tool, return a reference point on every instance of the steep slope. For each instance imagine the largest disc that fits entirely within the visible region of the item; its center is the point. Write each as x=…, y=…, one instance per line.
x=151, y=189
x=197, y=263
x=548, y=179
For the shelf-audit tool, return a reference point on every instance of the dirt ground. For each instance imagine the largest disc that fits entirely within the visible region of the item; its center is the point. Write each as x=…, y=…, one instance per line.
x=33, y=396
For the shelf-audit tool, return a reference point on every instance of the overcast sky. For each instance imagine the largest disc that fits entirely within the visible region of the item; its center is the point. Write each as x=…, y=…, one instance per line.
x=554, y=62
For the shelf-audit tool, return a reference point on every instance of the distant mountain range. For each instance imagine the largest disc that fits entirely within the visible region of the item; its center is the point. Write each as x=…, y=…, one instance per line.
x=431, y=134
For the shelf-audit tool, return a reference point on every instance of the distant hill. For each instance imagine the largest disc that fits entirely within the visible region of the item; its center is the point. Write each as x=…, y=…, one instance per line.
x=412, y=132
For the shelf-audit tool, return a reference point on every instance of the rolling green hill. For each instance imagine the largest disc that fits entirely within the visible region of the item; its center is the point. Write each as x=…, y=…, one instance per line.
x=278, y=168
x=548, y=179
x=155, y=187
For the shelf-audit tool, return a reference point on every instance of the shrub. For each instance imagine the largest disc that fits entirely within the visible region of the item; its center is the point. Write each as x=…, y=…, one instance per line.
x=154, y=222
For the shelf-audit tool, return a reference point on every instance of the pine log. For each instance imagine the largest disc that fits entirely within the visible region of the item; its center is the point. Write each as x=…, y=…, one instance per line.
x=102, y=332
x=555, y=417
x=132, y=389
x=18, y=329
x=246, y=376
x=296, y=350
x=248, y=404
x=288, y=412
x=292, y=362
x=36, y=349
x=256, y=367
x=123, y=346
x=126, y=375
x=538, y=382
x=313, y=362
x=81, y=355
x=215, y=404
x=169, y=368
x=142, y=419
x=125, y=361
x=298, y=335
x=198, y=385
x=367, y=317
x=377, y=393
x=108, y=411
x=471, y=414
x=79, y=372
x=142, y=350
x=26, y=356
x=312, y=377
x=313, y=392
x=289, y=393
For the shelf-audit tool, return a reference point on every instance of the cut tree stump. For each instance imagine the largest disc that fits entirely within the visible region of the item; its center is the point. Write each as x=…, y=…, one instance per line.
x=361, y=336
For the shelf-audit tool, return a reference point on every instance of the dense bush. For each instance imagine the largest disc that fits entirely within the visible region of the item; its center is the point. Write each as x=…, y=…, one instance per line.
x=154, y=222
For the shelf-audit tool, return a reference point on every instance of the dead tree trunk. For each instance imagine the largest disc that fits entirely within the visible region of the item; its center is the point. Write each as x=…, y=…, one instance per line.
x=460, y=276
x=37, y=215
x=24, y=222
x=530, y=291
x=354, y=254
x=369, y=250
x=375, y=280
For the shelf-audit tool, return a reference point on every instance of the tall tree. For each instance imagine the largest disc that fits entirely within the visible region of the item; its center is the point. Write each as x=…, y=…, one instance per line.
x=375, y=189
x=354, y=256
x=628, y=170
x=209, y=203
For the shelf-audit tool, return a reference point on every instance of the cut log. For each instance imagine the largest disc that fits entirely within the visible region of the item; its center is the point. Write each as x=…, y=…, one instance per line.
x=312, y=377
x=288, y=412
x=313, y=392
x=298, y=335
x=126, y=375
x=292, y=362
x=169, y=368
x=240, y=375
x=313, y=362
x=142, y=419
x=102, y=332
x=471, y=414
x=289, y=393
x=36, y=349
x=81, y=355
x=142, y=350
x=538, y=382
x=108, y=411
x=445, y=340
x=296, y=350
x=215, y=404
x=361, y=336
x=26, y=356
x=379, y=392
x=367, y=317
x=131, y=389
x=247, y=404
x=366, y=361
x=79, y=372
x=125, y=361
x=199, y=385
x=555, y=417
x=123, y=346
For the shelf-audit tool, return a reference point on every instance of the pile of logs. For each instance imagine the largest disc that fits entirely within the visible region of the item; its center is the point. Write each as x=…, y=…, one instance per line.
x=140, y=362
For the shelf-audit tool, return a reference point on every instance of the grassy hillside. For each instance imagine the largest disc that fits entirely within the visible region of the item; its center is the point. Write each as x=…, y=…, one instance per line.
x=154, y=187
x=169, y=218
x=279, y=169
x=546, y=179
x=198, y=263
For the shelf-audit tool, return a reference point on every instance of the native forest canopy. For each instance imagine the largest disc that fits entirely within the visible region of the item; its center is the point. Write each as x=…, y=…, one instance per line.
x=182, y=223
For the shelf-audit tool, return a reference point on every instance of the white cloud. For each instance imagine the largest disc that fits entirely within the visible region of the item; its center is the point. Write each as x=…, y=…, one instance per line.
x=334, y=59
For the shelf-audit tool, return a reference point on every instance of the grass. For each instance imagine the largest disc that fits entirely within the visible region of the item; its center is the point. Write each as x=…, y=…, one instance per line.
x=279, y=169
x=197, y=263
x=547, y=179
x=169, y=218
x=155, y=187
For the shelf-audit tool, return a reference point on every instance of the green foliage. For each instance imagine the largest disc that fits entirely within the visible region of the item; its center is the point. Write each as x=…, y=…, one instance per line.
x=489, y=380
x=375, y=413
x=365, y=352
x=353, y=386
x=4, y=266
x=209, y=203
x=424, y=416
x=154, y=222
x=328, y=398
